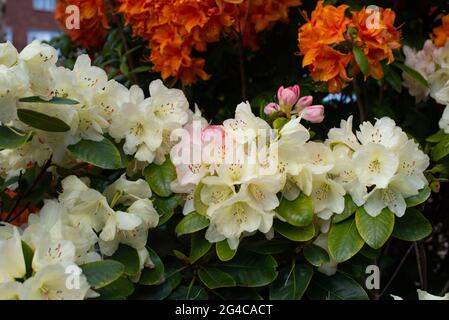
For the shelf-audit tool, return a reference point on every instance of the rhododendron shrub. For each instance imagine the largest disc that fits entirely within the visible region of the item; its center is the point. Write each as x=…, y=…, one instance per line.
x=222, y=149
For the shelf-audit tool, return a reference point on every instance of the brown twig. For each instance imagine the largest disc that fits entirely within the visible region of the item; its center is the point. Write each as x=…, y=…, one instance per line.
x=395, y=273
x=422, y=264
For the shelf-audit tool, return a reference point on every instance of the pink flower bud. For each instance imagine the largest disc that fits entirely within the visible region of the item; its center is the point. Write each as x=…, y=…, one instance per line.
x=314, y=114
x=288, y=96
x=271, y=108
x=304, y=102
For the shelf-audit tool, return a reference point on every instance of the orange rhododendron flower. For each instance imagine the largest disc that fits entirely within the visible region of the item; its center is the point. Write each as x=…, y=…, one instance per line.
x=326, y=42
x=180, y=29
x=377, y=36
x=325, y=28
x=441, y=33
x=93, y=21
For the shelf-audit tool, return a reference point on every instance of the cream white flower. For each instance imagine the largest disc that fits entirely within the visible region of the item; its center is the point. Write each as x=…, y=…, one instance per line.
x=375, y=165
x=292, y=138
x=54, y=239
x=129, y=191
x=245, y=126
x=263, y=191
x=142, y=133
x=168, y=105
x=86, y=207
x=390, y=198
x=12, y=262
x=328, y=197
x=344, y=171
x=10, y=290
x=383, y=132
x=8, y=54
x=130, y=227
x=237, y=215
x=424, y=295
x=439, y=83
x=344, y=135
x=444, y=121
x=50, y=283
x=38, y=58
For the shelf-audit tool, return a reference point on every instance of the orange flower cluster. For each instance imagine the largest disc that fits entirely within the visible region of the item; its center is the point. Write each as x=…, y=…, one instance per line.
x=441, y=33
x=178, y=29
x=93, y=22
x=326, y=42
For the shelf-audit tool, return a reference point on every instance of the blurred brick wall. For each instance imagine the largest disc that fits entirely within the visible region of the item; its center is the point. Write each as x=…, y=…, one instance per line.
x=21, y=17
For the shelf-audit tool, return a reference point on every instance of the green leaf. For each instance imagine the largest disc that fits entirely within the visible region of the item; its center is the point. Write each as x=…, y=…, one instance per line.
x=350, y=208
x=298, y=212
x=421, y=197
x=191, y=223
x=189, y=293
x=129, y=257
x=172, y=278
x=344, y=240
x=337, y=287
x=155, y=275
x=361, y=60
x=54, y=100
x=42, y=121
x=166, y=206
x=279, y=123
x=199, y=206
x=392, y=77
x=103, y=154
x=160, y=177
x=412, y=72
x=250, y=269
x=215, y=278
x=224, y=253
x=412, y=226
x=294, y=233
x=199, y=246
x=291, y=283
x=375, y=230
x=315, y=255
x=11, y=139
x=437, y=137
x=119, y=289
x=28, y=255
x=441, y=149
x=101, y=273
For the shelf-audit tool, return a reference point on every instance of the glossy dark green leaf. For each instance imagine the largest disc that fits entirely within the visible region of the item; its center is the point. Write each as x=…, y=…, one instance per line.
x=28, y=255
x=291, y=283
x=294, y=233
x=350, y=208
x=199, y=246
x=224, y=252
x=214, y=278
x=102, y=273
x=412, y=226
x=42, y=121
x=250, y=269
x=159, y=177
x=298, y=212
x=103, y=154
x=154, y=275
x=344, y=240
x=54, y=100
x=315, y=255
x=337, y=287
x=11, y=139
x=189, y=293
x=361, y=60
x=421, y=197
x=119, y=289
x=129, y=257
x=441, y=149
x=375, y=230
x=191, y=223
